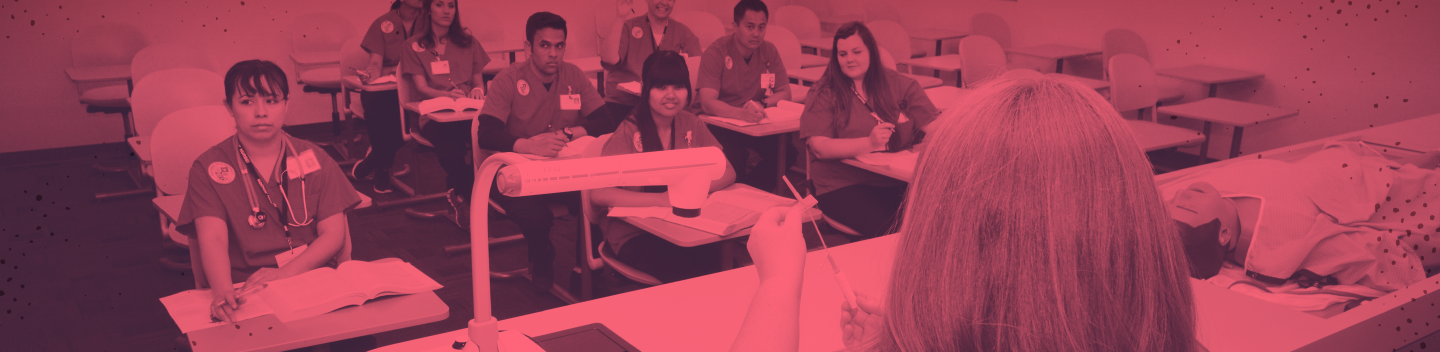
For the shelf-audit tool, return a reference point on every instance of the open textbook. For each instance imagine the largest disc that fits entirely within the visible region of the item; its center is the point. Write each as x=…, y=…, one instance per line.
x=784, y=111
x=323, y=290
x=310, y=294
x=725, y=211
x=463, y=109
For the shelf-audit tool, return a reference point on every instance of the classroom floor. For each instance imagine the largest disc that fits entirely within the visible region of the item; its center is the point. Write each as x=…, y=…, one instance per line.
x=83, y=275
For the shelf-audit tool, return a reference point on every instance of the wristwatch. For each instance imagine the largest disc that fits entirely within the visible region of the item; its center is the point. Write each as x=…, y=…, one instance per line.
x=568, y=135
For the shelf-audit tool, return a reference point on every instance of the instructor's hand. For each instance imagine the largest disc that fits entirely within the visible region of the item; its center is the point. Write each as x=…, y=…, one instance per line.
x=777, y=247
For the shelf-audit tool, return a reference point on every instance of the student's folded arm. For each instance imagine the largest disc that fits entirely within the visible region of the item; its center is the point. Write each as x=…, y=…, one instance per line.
x=839, y=148
x=620, y=197
x=491, y=135
x=331, y=236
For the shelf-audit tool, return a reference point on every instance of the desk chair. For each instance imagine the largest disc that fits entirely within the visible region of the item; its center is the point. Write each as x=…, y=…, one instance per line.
x=803, y=23
x=991, y=25
x=404, y=89
x=156, y=96
x=589, y=262
x=982, y=58
x=789, y=48
x=809, y=188
x=317, y=39
x=1132, y=87
x=113, y=44
x=706, y=26
x=1123, y=41
x=179, y=138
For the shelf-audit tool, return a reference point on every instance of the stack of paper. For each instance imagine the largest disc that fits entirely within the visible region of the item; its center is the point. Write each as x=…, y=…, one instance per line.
x=784, y=111
x=725, y=211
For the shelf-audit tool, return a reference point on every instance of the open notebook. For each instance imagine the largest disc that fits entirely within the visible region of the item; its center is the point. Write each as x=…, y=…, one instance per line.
x=725, y=211
x=464, y=108
x=323, y=290
x=784, y=111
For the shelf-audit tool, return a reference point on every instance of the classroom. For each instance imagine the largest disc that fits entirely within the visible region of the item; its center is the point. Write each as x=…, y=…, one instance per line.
x=670, y=175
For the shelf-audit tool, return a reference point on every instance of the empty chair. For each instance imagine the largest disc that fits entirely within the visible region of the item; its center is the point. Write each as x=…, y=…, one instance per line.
x=317, y=38
x=787, y=45
x=1123, y=41
x=982, y=59
x=798, y=20
x=163, y=92
x=706, y=26
x=991, y=25
x=881, y=10
x=166, y=56
x=182, y=136
x=111, y=44
x=1133, y=88
x=895, y=38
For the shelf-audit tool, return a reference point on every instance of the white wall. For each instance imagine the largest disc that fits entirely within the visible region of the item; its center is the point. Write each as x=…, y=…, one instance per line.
x=41, y=109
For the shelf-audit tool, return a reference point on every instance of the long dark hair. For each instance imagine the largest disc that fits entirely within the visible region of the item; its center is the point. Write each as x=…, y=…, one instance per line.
x=662, y=68
x=838, y=88
x=456, y=34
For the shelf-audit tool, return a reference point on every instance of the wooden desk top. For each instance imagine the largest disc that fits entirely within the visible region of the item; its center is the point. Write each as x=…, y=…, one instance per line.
x=267, y=333
x=316, y=57
x=1209, y=74
x=352, y=82
x=941, y=63
x=1226, y=111
x=1052, y=51
x=761, y=130
x=98, y=73
x=931, y=33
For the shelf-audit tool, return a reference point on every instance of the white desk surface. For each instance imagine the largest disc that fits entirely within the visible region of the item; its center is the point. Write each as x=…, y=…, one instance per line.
x=587, y=64
x=1209, y=74
x=945, y=97
x=502, y=47
x=1225, y=111
x=98, y=73
x=761, y=130
x=807, y=74
x=352, y=82
x=1052, y=51
x=884, y=170
x=1088, y=82
x=931, y=33
x=684, y=236
x=316, y=57
x=141, y=146
x=267, y=333
x=169, y=206
x=705, y=313
x=821, y=43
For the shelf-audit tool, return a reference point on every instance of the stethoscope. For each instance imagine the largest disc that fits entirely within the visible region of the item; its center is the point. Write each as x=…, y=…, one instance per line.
x=257, y=218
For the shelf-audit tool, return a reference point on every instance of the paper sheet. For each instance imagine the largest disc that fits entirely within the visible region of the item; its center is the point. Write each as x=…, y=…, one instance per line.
x=191, y=309
x=383, y=80
x=630, y=87
x=722, y=208
x=784, y=111
x=904, y=160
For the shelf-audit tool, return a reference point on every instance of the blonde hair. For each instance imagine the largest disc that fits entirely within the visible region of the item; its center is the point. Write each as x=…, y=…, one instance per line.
x=1034, y=224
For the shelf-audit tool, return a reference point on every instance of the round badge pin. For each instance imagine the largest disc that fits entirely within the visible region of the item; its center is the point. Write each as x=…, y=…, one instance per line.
x=639, y=146
x=636, y=32
x=523, y=87
x=221, y=173
x=729, y=63
x=416, y=46
x=387, y=27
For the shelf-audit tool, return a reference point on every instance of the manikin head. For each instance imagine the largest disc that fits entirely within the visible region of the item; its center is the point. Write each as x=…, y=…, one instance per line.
x=1209, y=225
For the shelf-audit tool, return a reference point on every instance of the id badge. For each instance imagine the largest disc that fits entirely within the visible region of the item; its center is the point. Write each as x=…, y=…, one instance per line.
x=306, y=162
x=289, y=255
x=767, y=80
x=569, y=102
x=440, y=67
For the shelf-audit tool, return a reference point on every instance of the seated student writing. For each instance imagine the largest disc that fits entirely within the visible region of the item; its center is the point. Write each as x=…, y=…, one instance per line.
x=1033, y=224
x=444, y=61
x=386, y=45
x=1342, y=216
x=660, y=124
x=858, y=107
x=264, y=205
x=536, y=107
x=740, y=75
x=631, y=41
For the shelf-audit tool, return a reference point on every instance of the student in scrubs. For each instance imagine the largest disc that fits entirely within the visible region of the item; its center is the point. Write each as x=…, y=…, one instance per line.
x=385, y=42
x=264, y=205
x=741, y=74
x=859, y=107
x=632, y=41
x=444, y=61
x=1033, y=224
x=660, y=124
x=536, y=107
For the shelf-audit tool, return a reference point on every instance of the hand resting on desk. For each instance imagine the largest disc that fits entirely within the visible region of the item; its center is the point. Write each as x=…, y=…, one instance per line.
x=862, y=326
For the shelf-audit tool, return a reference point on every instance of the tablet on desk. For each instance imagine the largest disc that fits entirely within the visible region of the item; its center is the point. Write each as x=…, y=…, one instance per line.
x=588, y=338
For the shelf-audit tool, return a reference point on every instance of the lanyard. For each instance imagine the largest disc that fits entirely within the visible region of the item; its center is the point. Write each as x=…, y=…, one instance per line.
x=258, y=218
x=655, y=43
x=866, y=103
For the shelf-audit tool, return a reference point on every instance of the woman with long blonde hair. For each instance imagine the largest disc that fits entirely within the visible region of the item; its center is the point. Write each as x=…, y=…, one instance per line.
x=1033, y=224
